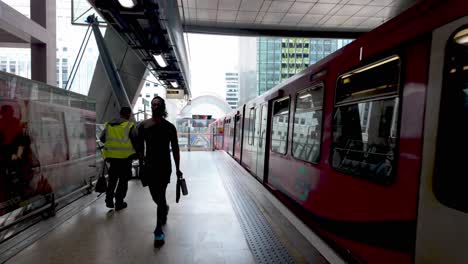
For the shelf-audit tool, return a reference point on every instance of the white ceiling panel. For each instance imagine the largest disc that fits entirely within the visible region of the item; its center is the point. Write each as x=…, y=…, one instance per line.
x=369, y=11
x=300, y=8
x=291, y=19
x=380, y=2
x=207, y=4
x=354, y=21
x=270, y=18
x=385, y=12
x=335, y=15
x=206, y=14
x=335, y=9
x=265, y=6
x=371, y=23
x=311, y=19
x=245, y=16
x=329, y=1
x=279, y=6
x=227, y=15
x=190, y=13
x=251, y=5
x=336, y=20
x=190, y=3
x=259, y=17
x=348, y=10
x=321, y=9
x=358, y=2
x=229, y=4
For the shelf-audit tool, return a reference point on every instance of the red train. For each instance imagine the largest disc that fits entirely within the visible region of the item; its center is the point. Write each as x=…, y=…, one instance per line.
x=368, y=146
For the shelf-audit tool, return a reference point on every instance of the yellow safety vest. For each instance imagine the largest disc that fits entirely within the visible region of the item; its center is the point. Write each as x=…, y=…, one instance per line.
x=118, y=144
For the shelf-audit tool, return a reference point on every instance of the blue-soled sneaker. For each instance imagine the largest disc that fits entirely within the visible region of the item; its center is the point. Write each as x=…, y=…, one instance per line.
x=158, y=239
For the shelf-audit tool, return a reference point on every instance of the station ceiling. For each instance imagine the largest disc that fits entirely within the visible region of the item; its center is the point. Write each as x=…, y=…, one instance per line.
x=333, y=18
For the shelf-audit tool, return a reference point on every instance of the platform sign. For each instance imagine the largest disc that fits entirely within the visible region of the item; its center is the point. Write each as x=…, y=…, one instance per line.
x=175, y=94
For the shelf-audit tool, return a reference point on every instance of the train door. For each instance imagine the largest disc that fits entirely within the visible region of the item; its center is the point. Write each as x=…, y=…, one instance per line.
x=239, y=118
x=261, y=134
x=229, y=136
x=442, y=230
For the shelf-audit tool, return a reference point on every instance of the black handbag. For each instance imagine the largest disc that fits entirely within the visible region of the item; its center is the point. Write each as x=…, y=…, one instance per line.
x=101, y=184
x=181, y=186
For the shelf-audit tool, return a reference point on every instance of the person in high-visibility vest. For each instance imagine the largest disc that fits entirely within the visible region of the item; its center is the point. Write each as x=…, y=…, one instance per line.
x=119, y=140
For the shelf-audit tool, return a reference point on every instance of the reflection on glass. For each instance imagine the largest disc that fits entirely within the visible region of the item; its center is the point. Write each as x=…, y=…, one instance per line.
x=364, y=141
x=307, y=121
x=47, y=142
x=279, y=130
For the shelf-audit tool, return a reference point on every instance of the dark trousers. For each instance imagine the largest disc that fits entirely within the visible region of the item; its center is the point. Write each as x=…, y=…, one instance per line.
x=120, y=172
x=158, y=193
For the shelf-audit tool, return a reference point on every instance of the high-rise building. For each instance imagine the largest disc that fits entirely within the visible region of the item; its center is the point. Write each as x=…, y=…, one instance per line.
x=281, y=58
x=268, y=63
x=69, y=39
x=232, y=89
x=247, y=69
x=151, y=88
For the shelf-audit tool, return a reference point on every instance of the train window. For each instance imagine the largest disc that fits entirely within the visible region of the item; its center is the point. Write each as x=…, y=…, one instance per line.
x=238, y=119
x=450, y=183
x=251, y=126
x=309, y=110
x=280, y=138
x=375, y=80
x=365, y=122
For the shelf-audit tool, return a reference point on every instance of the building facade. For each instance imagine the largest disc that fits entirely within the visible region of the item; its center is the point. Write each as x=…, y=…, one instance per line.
x=68, y=41
x=232, y=89
x=247, y=69
x=280, y=58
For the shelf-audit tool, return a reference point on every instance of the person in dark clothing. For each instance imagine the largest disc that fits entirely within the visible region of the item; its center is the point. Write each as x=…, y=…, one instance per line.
x=157, y=134
x=119, y=141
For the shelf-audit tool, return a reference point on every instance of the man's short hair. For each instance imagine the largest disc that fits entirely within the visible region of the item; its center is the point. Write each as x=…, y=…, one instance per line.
x=125, y=111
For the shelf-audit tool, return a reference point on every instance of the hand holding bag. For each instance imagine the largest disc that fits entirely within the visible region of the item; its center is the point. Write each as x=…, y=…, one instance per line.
x=180, y=186
x=101, y=184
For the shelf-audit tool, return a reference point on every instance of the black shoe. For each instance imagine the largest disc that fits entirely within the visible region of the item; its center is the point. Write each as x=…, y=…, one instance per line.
x=110, y=204
x=120, y=206
x=158, y=239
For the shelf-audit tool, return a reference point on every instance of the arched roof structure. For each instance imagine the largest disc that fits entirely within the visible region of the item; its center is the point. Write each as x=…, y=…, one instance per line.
x=205, y=105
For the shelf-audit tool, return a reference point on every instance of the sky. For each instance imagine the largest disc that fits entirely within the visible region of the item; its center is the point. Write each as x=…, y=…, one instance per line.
x=211, y=56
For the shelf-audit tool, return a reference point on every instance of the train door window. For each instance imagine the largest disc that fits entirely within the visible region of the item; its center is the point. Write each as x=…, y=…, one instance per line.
x=279, y=130
x=308, y=108
x=365, y=121
x=251, y=126
x=238, y=119
x=450, y=183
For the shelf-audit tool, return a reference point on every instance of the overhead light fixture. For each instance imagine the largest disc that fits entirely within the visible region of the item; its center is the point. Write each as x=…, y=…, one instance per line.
x=127, y=3
x=174, y=84
x=462, y=37
x=160, y=60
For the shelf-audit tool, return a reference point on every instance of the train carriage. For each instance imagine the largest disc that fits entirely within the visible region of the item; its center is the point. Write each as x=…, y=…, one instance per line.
x=361, y=146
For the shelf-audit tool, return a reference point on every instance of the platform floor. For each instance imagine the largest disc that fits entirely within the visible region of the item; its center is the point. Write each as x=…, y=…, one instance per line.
x=204, y=227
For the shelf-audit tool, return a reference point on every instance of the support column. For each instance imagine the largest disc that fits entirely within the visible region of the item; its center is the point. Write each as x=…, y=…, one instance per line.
x=43, y=55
